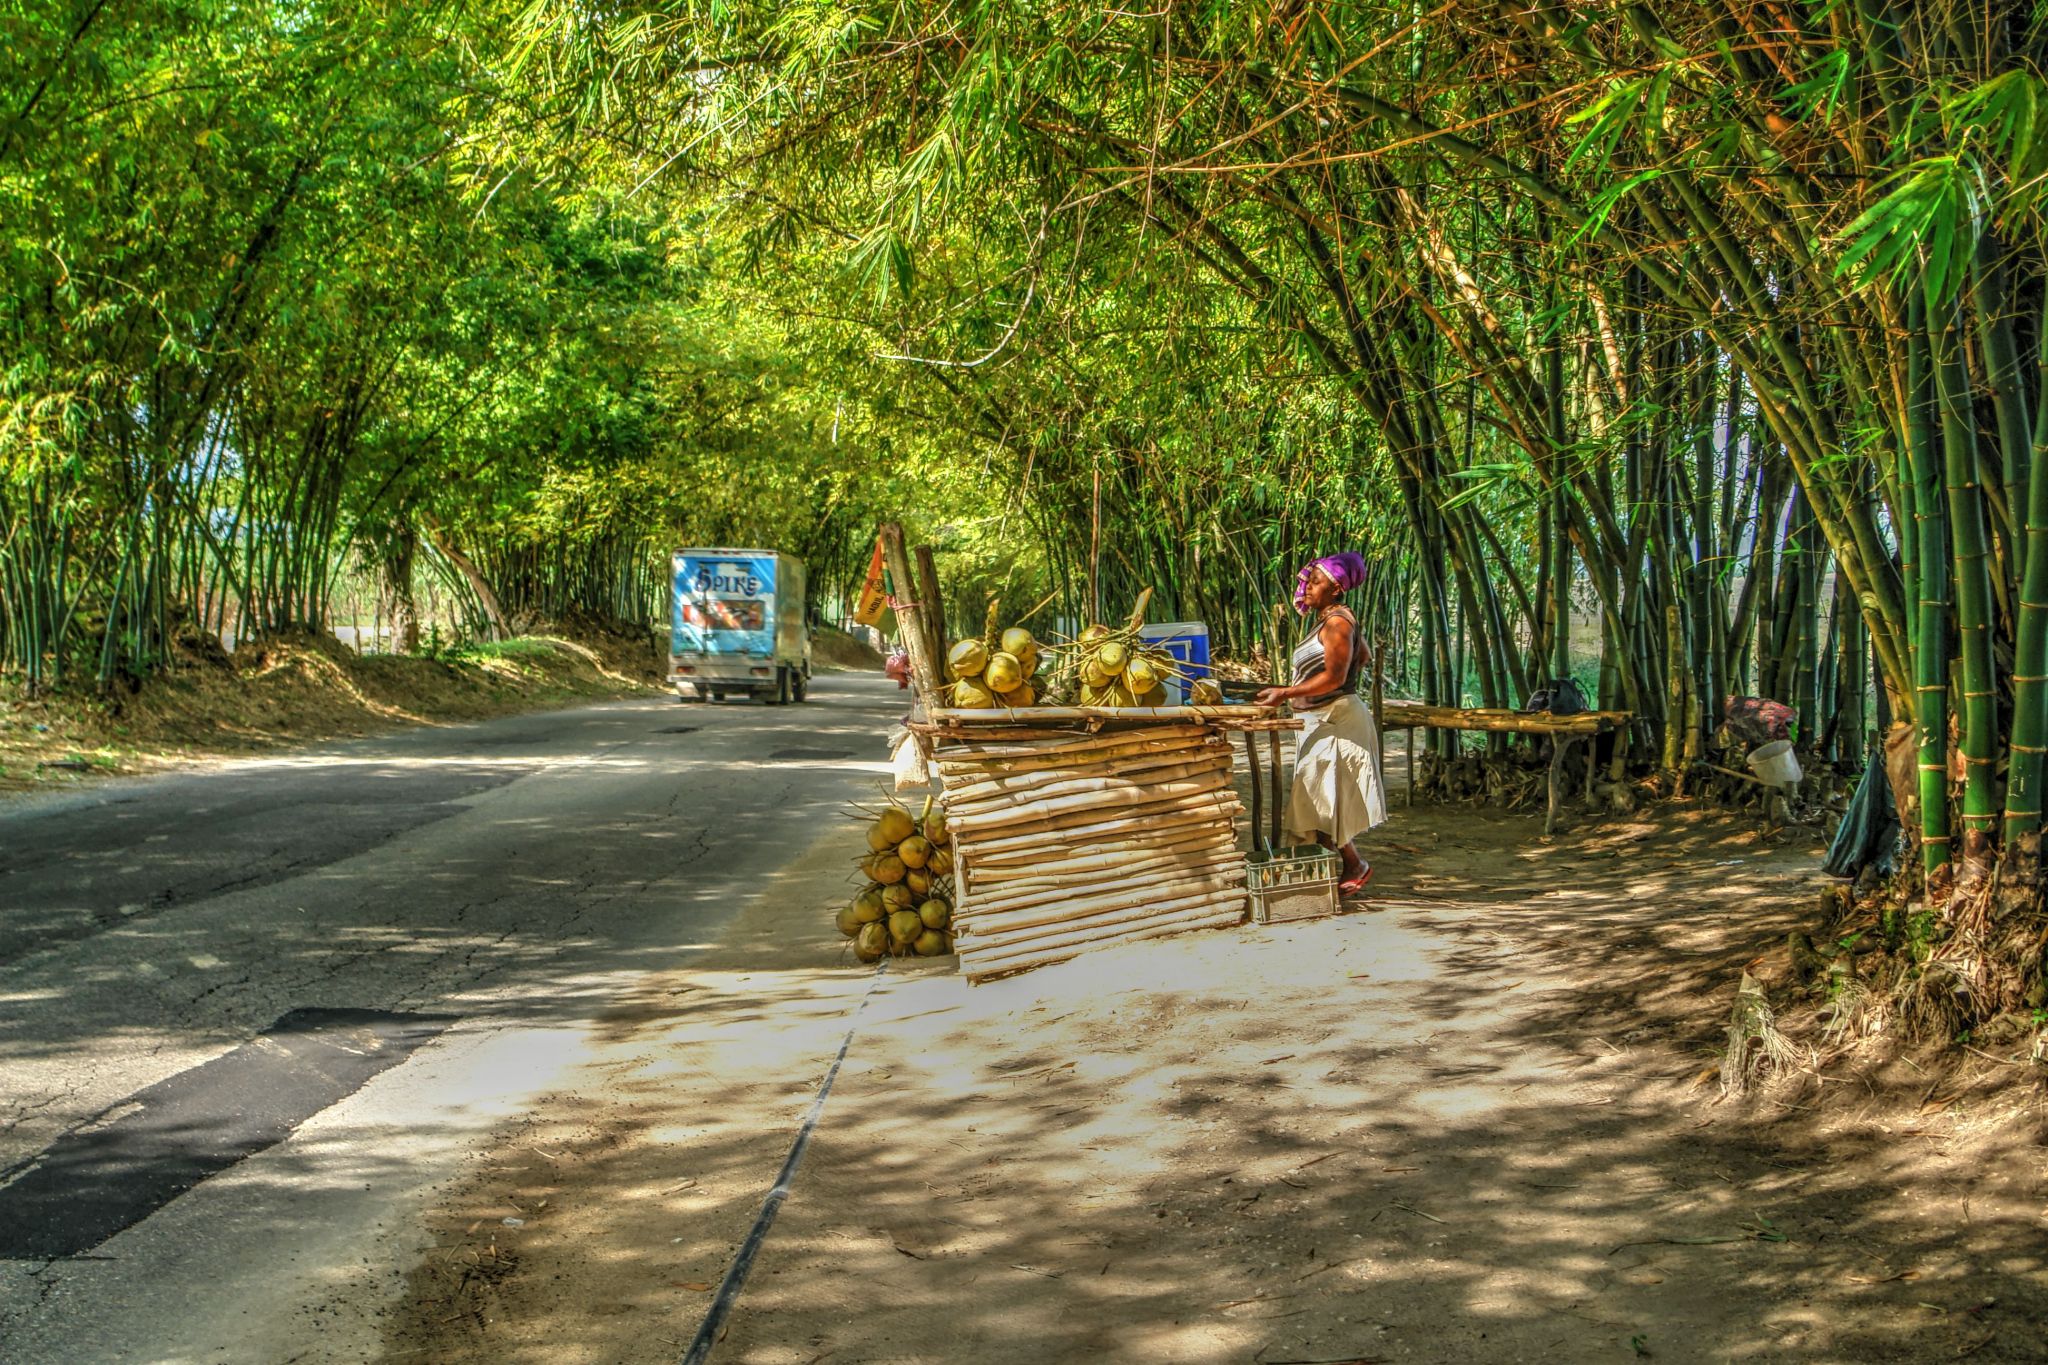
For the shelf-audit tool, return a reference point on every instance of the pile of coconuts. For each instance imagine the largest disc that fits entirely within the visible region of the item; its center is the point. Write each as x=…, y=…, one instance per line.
x=999, y=669
x=906, y=907
x=1113, y=666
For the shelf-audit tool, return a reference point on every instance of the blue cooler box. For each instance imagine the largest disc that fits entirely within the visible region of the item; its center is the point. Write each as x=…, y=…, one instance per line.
x=1188, y=643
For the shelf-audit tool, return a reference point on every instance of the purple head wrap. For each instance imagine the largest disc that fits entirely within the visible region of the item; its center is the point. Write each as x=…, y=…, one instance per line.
x=1347, y=571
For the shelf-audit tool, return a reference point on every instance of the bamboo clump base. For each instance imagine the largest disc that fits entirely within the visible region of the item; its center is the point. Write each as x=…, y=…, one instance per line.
x=1066, y=842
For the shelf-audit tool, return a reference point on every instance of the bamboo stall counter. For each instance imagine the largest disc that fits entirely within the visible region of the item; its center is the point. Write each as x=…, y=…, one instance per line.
x=1077, y=828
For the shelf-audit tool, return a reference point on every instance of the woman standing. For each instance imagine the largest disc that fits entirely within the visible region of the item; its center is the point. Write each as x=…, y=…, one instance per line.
x=1337, y=793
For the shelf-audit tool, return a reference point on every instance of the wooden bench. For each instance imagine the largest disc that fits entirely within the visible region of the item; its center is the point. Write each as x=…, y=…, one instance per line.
x=1564, y=731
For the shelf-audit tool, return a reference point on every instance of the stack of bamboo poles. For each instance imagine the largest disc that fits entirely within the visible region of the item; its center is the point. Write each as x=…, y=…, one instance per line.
x=1066, y=842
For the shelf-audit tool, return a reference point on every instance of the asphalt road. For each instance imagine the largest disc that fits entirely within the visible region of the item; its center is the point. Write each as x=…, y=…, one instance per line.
x=258, y=1010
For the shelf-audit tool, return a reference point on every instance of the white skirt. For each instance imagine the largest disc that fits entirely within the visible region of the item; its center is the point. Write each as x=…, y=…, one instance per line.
x=1338, y=788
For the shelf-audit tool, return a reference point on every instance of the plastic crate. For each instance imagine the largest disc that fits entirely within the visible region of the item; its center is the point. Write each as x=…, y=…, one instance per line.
x=1292, y=883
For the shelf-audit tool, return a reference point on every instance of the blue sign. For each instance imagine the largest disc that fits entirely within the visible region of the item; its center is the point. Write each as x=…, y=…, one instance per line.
x=724, y=604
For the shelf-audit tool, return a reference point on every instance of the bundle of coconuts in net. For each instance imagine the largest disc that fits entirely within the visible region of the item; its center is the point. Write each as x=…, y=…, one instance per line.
x=906, y=906
x=1115, y=666
x=998, y=669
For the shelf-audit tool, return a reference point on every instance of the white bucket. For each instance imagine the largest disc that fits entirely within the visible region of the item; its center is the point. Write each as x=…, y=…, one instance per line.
x=1774, y=763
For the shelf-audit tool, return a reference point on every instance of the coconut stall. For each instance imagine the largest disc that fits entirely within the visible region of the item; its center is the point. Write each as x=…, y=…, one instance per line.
x=1081, y=807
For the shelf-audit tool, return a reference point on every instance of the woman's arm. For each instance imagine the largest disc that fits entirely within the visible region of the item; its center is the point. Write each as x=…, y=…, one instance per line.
x=1337, y=634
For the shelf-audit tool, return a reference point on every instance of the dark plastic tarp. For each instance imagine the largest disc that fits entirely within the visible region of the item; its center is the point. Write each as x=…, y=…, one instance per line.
x=1869, y=835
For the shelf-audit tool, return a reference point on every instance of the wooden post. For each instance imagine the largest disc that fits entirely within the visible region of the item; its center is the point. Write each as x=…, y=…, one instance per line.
x=1251, y=757
x=934, y=605
x=1558, y=745
x=924, y=669
x=1273, y=751
x=1410, y=746
x=1379, y=690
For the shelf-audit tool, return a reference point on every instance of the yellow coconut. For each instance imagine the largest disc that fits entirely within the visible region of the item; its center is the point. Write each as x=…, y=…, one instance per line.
x=1111, y=655
x=930, y=943
x=848, y=920
x=967, y=659
x=919, y=881
x=868, y=906
x=904, y=926
x=897, y=897
x=1205, y=692
x=935, y=832
x=1155, y=697
x=1093, y=674
x=1022, y=694
x=896, y=824
x=914, y=851
x=871, y=942
x=1094, y=633
x=1116, y=694
x=941, y=863
x=935, y=913
x=886, y=868
x=1142, y=674
x=1003, y=672
x=878, y=839
x=1017, y=642
x=971, y=694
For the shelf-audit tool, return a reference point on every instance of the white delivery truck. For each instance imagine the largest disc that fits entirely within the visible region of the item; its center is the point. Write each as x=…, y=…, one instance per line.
x=739, y=626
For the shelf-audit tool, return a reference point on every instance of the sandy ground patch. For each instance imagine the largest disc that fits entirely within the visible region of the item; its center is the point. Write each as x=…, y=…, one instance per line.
x=1475, y=1122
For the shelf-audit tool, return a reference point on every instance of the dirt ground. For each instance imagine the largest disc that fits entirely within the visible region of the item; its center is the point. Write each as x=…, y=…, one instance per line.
x=1476, y=1120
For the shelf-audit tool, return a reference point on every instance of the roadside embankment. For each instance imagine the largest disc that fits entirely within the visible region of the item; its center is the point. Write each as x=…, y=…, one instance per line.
x=302, y=689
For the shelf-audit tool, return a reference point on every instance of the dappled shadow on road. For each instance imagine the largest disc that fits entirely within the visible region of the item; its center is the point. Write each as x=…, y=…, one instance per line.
x=420, y=876
x=1448, y=1131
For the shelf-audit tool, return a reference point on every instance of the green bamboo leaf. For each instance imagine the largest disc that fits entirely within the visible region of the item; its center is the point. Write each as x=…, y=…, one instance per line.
x=1602, y=205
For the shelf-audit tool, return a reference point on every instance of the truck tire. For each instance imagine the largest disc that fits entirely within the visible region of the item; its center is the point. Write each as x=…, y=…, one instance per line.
x=799, y=687
x=780, y=696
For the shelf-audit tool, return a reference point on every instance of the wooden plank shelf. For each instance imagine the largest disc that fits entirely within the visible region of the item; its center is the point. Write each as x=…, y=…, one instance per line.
x=1564, y=731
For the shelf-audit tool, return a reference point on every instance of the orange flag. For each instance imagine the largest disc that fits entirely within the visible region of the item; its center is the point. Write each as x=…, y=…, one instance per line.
x=872, y=599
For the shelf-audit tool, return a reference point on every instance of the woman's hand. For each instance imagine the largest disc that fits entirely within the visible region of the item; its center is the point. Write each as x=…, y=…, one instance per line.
x=1271, y=696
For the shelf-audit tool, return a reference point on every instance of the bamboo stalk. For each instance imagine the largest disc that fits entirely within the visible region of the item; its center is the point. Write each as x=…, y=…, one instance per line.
x=1130, y=833
x=1930, y=642
x=1081, y=928
x=1052, y=742
x=1130, y=785
x=981, y=969
x=2029, y=739
x=1157, y=884
x=1063, y=872
x=1113, y=751
x=1133, y=816
x=1102, y=927
x=1155, y=767
x=1970, y=546
x=1079, y=792
x=1199, y=831
x=1105, y=748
